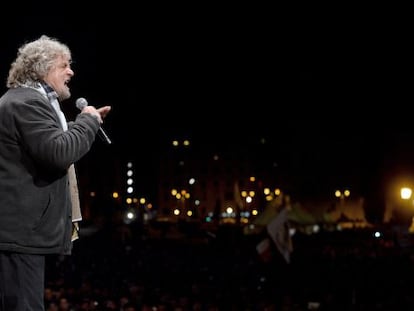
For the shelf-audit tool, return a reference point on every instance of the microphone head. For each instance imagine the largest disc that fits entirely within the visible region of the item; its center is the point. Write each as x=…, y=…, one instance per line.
x=81, y=103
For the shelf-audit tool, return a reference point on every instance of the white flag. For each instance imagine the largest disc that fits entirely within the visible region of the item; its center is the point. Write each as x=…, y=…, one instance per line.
x=278, y=229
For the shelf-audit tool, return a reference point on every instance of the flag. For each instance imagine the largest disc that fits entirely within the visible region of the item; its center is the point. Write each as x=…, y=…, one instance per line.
x=278, y=230
x=264, y=249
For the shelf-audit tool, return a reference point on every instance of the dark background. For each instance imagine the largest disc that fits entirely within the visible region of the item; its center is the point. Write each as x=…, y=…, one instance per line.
x=329, y=85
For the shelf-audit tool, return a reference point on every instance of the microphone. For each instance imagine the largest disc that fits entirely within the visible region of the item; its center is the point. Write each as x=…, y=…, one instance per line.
x=82, y=103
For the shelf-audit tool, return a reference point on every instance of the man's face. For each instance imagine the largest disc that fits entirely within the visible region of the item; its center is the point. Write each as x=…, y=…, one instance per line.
x=59, y=76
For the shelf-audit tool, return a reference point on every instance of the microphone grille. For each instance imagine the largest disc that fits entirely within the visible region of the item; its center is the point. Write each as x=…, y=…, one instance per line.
x=81, y=103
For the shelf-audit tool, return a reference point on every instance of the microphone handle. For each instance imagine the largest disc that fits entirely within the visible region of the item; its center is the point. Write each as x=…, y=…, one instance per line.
x=103, y=136
x=82, y=103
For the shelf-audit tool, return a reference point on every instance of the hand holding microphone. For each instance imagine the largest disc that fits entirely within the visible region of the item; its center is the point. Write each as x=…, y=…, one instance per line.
x=100, y=113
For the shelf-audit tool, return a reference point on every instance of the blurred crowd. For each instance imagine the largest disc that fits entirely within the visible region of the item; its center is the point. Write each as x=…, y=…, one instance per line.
x=342, y=270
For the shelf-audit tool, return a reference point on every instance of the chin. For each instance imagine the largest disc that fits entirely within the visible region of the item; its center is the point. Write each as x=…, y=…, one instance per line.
x=64, y=95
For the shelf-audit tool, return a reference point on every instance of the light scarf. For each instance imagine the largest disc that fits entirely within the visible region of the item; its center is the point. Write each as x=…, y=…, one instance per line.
x=47, y=91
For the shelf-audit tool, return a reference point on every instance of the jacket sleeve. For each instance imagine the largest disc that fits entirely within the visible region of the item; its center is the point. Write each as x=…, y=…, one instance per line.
x=45, y=139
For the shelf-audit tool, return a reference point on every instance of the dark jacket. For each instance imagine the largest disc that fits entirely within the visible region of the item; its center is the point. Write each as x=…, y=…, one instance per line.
x=35, y=153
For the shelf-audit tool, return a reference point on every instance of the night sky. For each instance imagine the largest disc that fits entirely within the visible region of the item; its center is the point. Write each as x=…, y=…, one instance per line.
x=334, y=83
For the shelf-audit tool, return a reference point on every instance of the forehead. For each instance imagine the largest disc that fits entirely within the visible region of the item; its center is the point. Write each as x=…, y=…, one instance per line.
x=63, y=59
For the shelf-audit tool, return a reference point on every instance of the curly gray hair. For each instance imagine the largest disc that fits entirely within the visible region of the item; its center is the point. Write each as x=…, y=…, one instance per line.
x=34, y=60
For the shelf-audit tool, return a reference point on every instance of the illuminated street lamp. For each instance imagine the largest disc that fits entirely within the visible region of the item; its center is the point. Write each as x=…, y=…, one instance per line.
x=404, y=211
x=181, y=197
x=247, y=199
x=406, y=193
x=342, y=194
